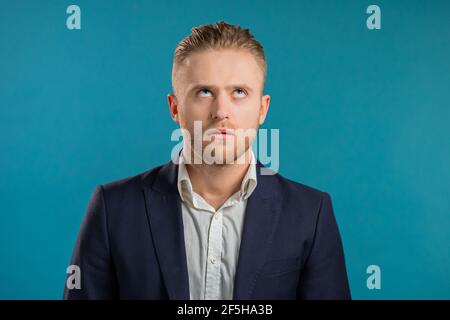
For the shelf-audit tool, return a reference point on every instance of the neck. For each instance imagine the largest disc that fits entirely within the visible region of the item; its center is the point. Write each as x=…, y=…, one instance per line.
x=217, y=182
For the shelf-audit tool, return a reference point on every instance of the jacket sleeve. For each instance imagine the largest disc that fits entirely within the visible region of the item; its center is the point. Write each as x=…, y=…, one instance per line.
x=324, y=275
x=92, y=255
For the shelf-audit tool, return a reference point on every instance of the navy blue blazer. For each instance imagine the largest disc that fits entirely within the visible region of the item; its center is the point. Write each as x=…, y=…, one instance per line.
x=131, y=242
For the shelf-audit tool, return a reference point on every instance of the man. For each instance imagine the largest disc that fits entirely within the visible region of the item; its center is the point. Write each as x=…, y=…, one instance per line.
x=210, y=224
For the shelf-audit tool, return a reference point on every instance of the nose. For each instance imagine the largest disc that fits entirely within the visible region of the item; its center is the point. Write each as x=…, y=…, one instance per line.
x=221, y=108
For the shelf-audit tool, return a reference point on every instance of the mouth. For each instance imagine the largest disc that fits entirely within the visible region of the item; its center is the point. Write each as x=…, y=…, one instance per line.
x=221, y=133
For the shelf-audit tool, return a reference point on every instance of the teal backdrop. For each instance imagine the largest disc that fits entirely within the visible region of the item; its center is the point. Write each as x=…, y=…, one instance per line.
x=363, y=114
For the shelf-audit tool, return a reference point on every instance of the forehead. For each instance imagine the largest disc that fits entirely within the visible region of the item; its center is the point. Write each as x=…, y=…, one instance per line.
x=222, y=67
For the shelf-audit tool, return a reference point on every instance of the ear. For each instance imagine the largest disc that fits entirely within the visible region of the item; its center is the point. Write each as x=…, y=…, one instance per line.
x=173, y=107
x=265, y=101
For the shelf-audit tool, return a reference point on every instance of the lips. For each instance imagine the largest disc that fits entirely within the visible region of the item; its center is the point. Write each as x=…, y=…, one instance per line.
x=221, y=132
x=226, y=131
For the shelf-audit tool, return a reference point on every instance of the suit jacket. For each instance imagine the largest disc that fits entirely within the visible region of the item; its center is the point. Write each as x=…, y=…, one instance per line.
x=131, y=242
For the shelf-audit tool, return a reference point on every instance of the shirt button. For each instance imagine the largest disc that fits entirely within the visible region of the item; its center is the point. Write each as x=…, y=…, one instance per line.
x=212, y=260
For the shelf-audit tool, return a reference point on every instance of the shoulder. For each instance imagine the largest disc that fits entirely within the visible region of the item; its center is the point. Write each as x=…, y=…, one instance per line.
x=300, y=195
x=298, y=189
x=131, y=184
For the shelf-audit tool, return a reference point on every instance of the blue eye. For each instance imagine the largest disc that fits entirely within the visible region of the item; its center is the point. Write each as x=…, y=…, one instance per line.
x=242, y=93
x=203, y=90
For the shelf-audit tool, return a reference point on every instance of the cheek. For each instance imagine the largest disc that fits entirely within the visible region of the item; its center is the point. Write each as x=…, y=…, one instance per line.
x=196, y=110
x=248, y=115
x=188, y=115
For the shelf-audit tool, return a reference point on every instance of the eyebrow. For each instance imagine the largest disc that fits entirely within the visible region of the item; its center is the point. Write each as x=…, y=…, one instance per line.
x=205, y=86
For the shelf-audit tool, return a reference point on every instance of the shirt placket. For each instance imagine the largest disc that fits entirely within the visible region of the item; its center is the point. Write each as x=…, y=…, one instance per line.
x=212, y=286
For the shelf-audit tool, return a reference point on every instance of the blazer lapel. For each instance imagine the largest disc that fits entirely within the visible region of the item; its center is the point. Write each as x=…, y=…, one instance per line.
x=260, y=222
x=166, y=223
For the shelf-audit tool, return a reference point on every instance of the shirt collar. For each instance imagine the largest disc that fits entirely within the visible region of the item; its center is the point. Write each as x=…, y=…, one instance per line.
x=184, y=184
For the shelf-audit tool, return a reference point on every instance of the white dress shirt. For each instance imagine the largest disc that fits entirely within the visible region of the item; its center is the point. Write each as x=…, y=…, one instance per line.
x=213, y=237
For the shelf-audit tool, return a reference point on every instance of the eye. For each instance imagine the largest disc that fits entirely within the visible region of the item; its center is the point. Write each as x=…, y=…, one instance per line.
x=204, y=92
x=240, y=92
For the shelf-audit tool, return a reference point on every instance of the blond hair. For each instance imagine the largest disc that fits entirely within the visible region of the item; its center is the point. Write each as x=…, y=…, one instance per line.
x=220, y=35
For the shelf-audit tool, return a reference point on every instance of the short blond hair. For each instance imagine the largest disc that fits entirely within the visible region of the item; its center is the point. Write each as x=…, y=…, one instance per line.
x=219, y=35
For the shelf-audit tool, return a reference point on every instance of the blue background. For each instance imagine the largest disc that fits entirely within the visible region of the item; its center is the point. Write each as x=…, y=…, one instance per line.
x=363, y=114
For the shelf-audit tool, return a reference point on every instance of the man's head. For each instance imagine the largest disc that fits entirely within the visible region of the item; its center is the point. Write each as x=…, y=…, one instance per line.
x=218, y=78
